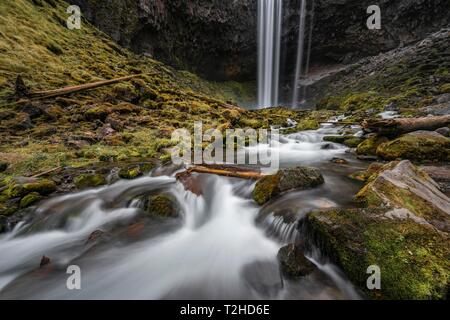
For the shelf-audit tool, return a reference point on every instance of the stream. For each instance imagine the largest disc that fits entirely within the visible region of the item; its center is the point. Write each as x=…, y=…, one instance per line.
x=222, y=247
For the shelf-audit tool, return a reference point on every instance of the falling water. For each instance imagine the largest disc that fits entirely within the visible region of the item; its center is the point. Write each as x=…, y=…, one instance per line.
x=300, y=49
x=269, y=42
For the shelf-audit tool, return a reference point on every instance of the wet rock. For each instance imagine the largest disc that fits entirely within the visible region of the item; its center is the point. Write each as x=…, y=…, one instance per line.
x=339, y=161
x=95, y=236
x=131, y=173
x=163, y=206
x=419, y=146
x=353, y=142
x=337, y=139
x=293, y=263
x=367, y=158
x=412, y=255
x=445, y=131
x=370, y=145
x=300, y=178
x=42, y=186
x=403, y=185
x=30, y=199
x=44, y=261
x=89, y=180
x=373, y=169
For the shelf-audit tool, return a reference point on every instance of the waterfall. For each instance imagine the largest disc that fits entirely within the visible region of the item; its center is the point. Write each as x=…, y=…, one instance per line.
x=269, y=43
x=300, y=49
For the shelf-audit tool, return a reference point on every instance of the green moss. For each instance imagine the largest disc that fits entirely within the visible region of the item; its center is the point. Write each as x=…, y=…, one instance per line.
x=369, y=146
x=418, y=147
x=352, y=142
x=130, y=173
x=266, y=189
x=337, y=139
x=84, y=181
x=43, y=187
x=30, y=199
x=163, y=206
x=445, y=88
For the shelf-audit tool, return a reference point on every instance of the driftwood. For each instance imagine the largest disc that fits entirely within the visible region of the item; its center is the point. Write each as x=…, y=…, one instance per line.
x=46, y=172
x=396, y=127
x=226, y=171
x=73, y=89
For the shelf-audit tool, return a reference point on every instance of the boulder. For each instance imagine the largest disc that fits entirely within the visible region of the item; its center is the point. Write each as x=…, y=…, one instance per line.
x=411, y=254
x=403, y=185
x=370, y=145
x=445, y=131
x=130, y=173
x=300, y=178
x=30, y=199
x=89, y=180
x=418, y=146
x=162, y=205
x=293, y=263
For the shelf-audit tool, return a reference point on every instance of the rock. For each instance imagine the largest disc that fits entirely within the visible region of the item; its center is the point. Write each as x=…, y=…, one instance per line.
x=130, y=173
x=370, y=145
x=162, y=206
x=352, y=142
x=77, y=144
x=445, y=131
x=337, y=139
x=339, y=161
x=99, y=112
x=30, y=199
x=373, y=169
x=3, y=166
x=392, y=107
x=44, y=261
x=42, y=186
x=419, y=146
x=441, y=175
x=95, y=236
x=90, y=180
x=367, y=158
x=300, y=178
x=105, y=131
x=293, y=263
x=403, y=185
x=412, y=255
x=444, y=98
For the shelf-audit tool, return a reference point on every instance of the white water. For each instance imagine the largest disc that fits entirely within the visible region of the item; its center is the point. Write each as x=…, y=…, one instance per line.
x=269, y=44
x=216, y=251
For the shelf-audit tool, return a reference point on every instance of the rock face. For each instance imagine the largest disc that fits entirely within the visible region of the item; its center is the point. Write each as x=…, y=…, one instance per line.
x=419, y=145
x=218, y=38
x=300, y=178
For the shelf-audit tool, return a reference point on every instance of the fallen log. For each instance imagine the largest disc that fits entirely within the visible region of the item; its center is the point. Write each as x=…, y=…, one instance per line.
x=399, y=126
x=225, y=171
x=73, y=89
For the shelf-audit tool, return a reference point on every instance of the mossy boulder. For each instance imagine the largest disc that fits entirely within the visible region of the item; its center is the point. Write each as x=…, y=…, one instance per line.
x=293, y=263
x=163, y=206
x=30, y=199
x=42, y=186
x=90, y=180
x=412, y=256
x=402, y=185
x=369, y=174
x=20, y=186
x=130, y=173
x=417, y=146
x=300, y=178
x=370, y=145
x=353, y=142
x=337, y=139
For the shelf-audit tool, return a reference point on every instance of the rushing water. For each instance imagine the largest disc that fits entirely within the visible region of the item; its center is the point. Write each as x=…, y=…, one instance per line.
x=223, y=247
x=269, y=44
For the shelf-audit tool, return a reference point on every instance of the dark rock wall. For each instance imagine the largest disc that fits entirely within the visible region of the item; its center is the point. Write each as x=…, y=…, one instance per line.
x=217, y=38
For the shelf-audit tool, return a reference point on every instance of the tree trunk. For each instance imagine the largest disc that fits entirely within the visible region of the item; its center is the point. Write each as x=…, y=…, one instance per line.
x=396, y=127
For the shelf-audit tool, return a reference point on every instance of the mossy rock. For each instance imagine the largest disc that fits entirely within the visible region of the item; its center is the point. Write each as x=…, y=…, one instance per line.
x=293, y=263
x=417, y=146
x=300, y=178
x=43, y=187
x=369, y=174
x=337, y=139
x=370, y=145
x=30, y=199
x=90, y=180
x=97, y=113
x=163, y=206
x=130, y=173
x=413, y=257
x=353, y=142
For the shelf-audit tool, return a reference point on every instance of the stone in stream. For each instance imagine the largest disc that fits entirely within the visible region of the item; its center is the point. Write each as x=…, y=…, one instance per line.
x=370, y=145
x=162, y=205
x=293, y=263
x=300, y=178
x=417, y=146
x=89, y=180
